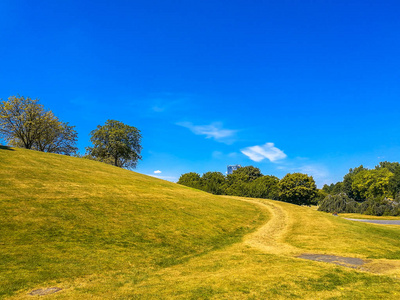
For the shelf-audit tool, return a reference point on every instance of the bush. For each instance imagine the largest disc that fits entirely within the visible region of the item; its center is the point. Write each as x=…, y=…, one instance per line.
x=339, y=203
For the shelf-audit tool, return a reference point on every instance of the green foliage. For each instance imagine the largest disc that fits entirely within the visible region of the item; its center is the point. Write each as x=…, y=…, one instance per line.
x=371, y=183
x=25, y=123
x=264, y=187
x=379, y=207
x=116, y=143
x=213, y=182
x=321, y=194
x=394, y=184
x=391, y=166
x=191, y=179
x=244, y=174
x=238, y=188
x=348, y=181
x=244, y=182
x=297, y=188
x=339, y=203
x=333, y=188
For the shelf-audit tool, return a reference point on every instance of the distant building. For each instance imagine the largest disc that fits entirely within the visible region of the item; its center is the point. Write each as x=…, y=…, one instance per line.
x=233, y=168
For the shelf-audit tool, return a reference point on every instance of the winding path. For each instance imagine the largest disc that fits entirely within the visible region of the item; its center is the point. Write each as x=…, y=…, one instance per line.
x=270, y=236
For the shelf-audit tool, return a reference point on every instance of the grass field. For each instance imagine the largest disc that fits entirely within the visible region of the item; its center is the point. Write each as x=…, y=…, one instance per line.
x=101, y=232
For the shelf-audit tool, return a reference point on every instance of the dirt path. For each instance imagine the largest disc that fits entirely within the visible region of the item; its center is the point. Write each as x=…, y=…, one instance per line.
x=270, y=236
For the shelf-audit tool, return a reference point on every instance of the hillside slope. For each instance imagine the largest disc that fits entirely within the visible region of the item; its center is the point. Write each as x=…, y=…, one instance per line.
x=64, y=218
x=100, y=232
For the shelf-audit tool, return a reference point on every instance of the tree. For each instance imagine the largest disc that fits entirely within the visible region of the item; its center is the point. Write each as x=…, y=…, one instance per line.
x=25, y=123
x=391, y=166
x=116, y=143
x=372, y=183
x=348, y=180
x=60, y=138
x=339, y=203
x=297, y=188
x=191, y=179
x=244, y=174
x=394, y=184
x=213, y=182
x=264, y=187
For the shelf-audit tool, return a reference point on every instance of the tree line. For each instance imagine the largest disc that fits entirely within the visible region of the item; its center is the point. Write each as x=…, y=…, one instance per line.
x=25, y=123
x=296, y=188
x=367, y=191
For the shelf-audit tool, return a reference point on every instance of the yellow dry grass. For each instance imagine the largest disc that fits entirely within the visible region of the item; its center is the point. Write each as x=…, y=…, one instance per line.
x=182, y=249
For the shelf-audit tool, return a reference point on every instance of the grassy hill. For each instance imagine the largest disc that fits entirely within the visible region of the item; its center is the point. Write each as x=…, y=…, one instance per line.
x=101, y=232
x=65, y=218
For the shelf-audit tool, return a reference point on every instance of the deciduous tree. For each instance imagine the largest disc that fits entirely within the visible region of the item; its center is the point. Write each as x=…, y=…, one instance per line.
x=213, y=182
x=117, y=143
x=25, y=123
x=372, y=183
x=297, y=188
x=190, y=179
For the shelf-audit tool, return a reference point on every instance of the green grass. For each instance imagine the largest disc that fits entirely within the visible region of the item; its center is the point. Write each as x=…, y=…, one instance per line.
x=65, y=217
x=101, y=232
x=320, y=232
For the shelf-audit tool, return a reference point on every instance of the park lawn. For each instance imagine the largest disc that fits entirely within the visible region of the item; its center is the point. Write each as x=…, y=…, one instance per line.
x=234, y=272
x=64, y=218
x=320, y=232
x=101, y=232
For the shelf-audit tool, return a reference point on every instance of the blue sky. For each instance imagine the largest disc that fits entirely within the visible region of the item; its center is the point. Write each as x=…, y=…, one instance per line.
x=286, y=86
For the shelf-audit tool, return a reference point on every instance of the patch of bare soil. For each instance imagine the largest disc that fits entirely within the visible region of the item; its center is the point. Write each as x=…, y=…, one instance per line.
x=43, y=292
x=350, y=262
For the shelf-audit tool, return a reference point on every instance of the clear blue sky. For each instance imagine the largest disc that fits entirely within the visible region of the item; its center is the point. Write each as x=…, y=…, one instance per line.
x=286, y=86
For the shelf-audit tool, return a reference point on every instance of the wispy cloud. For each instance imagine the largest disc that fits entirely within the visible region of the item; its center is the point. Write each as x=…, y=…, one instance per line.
x=214, y=131
x=259, y=153
x=157, y=172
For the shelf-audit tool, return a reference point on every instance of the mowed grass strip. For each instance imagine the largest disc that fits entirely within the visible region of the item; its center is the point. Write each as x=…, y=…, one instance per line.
x=63, y=218
x=319, y=232
x=234, y=272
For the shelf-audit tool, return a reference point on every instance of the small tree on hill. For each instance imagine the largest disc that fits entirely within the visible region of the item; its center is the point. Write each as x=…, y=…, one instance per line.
x=116, y=143
x=297, y=188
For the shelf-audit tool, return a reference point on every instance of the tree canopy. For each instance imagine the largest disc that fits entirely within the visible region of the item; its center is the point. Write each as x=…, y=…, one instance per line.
x=25, y=123
x=116, y=143
x=190, y=179
x=297, y=188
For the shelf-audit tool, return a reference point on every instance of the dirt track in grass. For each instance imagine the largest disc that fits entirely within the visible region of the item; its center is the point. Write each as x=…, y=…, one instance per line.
x=270, y=238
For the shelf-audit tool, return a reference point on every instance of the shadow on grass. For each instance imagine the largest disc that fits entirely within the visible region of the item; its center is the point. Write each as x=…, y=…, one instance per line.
x=6, y=148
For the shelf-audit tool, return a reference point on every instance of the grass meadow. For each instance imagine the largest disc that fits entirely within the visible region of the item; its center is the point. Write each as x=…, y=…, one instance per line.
x=101, y=232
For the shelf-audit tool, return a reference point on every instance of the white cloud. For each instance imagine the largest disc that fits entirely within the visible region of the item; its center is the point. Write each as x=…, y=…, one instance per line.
x=214, y=130
x=157, y=172
x=259, y=153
